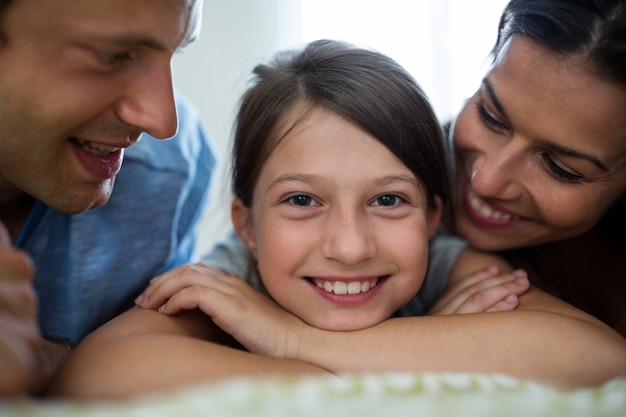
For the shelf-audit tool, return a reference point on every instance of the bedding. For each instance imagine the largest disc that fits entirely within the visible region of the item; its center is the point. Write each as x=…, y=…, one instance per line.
x=391, y=394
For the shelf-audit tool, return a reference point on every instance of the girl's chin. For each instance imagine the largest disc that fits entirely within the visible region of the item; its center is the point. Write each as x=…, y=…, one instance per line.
x=345, y=325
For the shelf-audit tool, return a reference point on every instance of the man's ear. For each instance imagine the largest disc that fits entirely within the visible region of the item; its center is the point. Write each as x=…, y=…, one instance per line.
x=434, y=216
x=241, y=217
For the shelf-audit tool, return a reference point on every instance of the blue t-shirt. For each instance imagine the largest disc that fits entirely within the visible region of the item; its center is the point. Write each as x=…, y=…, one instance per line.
x=90, y=266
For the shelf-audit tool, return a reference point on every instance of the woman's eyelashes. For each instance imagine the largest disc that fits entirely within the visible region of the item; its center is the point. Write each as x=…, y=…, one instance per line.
x=488, y=118
x=560, y=172
x=553, y=167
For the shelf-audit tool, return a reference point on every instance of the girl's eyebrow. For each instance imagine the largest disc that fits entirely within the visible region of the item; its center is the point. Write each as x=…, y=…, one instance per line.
x=316, y=179
x=550, y=145
x=302, y=178
x=394, y=179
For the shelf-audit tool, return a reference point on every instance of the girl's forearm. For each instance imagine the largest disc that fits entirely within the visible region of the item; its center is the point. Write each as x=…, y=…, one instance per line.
x=541, y=346
x=143, y=352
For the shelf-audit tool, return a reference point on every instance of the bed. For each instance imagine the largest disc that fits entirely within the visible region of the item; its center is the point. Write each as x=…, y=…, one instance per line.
x=392, y=394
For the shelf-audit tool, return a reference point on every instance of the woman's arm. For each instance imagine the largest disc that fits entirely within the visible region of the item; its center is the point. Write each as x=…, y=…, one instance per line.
x=142, y=351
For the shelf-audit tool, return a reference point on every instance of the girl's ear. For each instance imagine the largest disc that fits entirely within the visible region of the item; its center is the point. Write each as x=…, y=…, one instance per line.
x=241, y=217
x=434, y=216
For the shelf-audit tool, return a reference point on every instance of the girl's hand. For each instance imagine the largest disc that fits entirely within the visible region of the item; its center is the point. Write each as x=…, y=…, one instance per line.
x=254, y=320
x=487, y=290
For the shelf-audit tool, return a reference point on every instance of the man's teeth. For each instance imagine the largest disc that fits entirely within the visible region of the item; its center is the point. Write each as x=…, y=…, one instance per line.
x=96, y=149
x=486, y=211
x=342, y=288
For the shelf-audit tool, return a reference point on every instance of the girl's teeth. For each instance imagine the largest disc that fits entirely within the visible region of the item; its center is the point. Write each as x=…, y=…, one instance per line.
x=342, y=288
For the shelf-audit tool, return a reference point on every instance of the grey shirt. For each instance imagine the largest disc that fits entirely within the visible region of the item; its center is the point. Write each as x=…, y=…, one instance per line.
x=232, y=255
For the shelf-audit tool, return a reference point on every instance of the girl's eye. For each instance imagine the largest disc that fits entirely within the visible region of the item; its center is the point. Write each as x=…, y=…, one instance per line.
x=388, y=200
x=301, y=200
x=488, y=118
x=560, y=172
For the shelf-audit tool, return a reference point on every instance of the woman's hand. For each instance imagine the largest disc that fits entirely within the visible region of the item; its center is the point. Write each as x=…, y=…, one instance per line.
x=254, y=320
x=487, y=290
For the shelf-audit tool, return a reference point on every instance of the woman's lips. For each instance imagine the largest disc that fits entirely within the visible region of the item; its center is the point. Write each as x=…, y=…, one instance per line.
x=101, y=161
x=485, y=214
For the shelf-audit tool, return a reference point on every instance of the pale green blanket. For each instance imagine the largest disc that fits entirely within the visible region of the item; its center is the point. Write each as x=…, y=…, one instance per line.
x=385, y=395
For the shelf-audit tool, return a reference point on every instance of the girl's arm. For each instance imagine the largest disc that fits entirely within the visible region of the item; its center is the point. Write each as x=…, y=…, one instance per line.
x=544, y=339
x=143, y=351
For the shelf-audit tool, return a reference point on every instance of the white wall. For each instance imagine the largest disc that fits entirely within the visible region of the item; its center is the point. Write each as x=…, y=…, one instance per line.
x=212, y=72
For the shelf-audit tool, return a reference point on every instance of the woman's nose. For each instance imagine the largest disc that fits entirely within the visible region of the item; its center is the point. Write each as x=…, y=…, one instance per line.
x=496, y=174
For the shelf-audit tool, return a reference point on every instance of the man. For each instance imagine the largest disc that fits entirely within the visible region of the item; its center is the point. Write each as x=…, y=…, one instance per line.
x=79, y=84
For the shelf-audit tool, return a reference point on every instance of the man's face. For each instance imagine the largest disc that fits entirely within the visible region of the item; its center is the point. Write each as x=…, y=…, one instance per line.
x=79, y=82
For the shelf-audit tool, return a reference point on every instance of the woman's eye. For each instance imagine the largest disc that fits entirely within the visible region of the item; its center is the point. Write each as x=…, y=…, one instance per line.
x=488, y=118
x=560, y=172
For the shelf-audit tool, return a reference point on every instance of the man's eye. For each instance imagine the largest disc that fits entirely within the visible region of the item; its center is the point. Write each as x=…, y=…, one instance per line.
x=113, y=58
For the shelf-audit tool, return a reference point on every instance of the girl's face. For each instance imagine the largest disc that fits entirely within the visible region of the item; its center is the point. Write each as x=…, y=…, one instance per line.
x=540, y=150
x=338, y=224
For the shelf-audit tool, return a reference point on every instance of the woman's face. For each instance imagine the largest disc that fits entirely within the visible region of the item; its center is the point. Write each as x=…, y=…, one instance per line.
x=540, y=150
x=339, y=226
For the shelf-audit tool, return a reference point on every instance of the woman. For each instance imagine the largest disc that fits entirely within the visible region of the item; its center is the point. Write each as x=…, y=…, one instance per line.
x=541, y=152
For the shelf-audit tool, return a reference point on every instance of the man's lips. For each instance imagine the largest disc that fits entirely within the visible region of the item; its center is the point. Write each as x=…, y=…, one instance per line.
x=99, y=149
x=101, y=161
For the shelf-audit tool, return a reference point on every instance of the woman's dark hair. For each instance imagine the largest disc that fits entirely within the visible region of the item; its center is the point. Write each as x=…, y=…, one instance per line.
x=363, y=86
x=595, y=30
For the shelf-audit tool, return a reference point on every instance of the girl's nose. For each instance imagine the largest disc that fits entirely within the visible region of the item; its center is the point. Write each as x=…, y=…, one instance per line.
x=348, y=239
